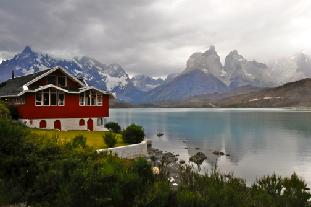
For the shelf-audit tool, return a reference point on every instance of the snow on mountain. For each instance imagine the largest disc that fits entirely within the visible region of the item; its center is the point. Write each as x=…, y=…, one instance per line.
x=146, y=83
x=111, y=77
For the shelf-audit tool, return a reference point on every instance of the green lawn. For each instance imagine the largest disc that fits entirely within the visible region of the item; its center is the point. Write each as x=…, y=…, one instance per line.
x=93, y=139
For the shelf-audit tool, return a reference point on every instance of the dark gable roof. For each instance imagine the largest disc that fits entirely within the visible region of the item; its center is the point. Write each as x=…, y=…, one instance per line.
x=15, y=86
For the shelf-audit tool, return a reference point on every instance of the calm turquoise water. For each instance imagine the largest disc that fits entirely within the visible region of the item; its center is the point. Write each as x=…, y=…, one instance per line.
x=259, y=141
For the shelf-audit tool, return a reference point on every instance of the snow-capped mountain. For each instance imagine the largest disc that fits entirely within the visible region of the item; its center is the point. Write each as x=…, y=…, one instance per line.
x=111, y=77
x=146, y=83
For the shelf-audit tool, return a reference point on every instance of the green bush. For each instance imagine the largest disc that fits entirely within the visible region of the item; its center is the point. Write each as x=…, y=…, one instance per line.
x=4, y=111
x=13, y=112
x=113, y=126
x=133, y=134
x=78, y=141
x=37, y=171
x=110, y=139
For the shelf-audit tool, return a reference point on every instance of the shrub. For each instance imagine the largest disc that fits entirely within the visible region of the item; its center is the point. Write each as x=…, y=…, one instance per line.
x=14, y=113
x=113, y=126
x=78, y=141
x=110, y=139
x=4, y=111
x=133, y=134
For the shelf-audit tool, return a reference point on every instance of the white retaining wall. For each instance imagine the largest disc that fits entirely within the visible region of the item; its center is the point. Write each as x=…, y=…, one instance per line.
x=129, y=151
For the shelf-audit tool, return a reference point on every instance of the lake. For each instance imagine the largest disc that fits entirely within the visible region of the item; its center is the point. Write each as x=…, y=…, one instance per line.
x=259, y=141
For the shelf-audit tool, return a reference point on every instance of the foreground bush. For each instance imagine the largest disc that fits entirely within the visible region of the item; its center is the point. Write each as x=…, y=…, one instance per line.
x=4, y=111
x=113, y=126
x=37, y=171
x=133, y=134
x=110, y=139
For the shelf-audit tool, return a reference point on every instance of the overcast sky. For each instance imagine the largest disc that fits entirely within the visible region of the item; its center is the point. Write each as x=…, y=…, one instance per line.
x=155, y=37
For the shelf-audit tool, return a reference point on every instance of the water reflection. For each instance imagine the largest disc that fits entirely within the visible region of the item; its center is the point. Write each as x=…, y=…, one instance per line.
x=259, y=141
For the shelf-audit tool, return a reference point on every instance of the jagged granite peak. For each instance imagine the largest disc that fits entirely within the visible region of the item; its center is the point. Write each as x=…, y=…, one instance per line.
x=242, y=72
x=211, y=51
x=209, y=62
x=146, y=83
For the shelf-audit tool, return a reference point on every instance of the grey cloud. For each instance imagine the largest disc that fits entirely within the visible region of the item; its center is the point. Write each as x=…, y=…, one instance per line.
x=155, y=37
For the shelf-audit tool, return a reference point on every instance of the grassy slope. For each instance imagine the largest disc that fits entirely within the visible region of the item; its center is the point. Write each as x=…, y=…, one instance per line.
x=93, y=139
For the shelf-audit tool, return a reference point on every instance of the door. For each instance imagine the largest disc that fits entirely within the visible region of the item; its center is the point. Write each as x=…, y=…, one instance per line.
x=57, y=125
x=90, y=124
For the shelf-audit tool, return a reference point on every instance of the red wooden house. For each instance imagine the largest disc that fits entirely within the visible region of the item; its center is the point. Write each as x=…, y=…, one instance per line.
x=55, y=99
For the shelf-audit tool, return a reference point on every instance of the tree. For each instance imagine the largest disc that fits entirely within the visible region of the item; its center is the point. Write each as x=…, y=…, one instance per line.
x=133, y=134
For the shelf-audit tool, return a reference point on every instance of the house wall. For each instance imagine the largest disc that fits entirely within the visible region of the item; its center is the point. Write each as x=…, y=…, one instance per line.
x=66, y=123
x=71, y=109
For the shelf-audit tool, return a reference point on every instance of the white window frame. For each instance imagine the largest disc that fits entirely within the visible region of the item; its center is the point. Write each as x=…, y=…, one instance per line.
x=42, y=98
x=58, y=103
x=97, y=103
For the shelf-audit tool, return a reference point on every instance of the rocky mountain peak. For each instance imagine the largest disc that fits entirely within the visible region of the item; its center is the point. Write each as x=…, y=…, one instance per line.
x=27, y=49
x=234, y=56
x=209, y=62
x=211, y=50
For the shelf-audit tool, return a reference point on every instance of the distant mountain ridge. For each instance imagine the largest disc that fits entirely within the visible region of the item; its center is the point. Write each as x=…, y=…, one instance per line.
x=204, y=75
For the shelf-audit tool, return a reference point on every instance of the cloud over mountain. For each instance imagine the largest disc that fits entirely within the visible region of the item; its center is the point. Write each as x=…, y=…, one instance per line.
x=155, y=37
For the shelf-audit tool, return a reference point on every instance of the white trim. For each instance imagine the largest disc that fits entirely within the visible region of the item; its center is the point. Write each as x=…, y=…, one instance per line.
x=82, y=89
x=42, y=98
x=51, y=71
x=96, y=99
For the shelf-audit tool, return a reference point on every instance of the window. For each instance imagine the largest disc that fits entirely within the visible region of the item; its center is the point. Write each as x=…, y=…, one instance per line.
x=100, y=121
x=87, y=98
x=50, y=97
x=39, y=98
x=91, y=98
x=46, y=97
x=99, y=99
x=42, y=124
x=53, y=98
x=61, y=99
x=51, y=79
x=82, y=99
x=81, y=122
x=62, y=81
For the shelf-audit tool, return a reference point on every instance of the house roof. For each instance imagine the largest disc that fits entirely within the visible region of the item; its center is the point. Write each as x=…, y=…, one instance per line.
x=14, y=86
x=19, y=85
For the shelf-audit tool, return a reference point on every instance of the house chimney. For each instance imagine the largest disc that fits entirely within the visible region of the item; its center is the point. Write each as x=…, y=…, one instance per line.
x=13, y=75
